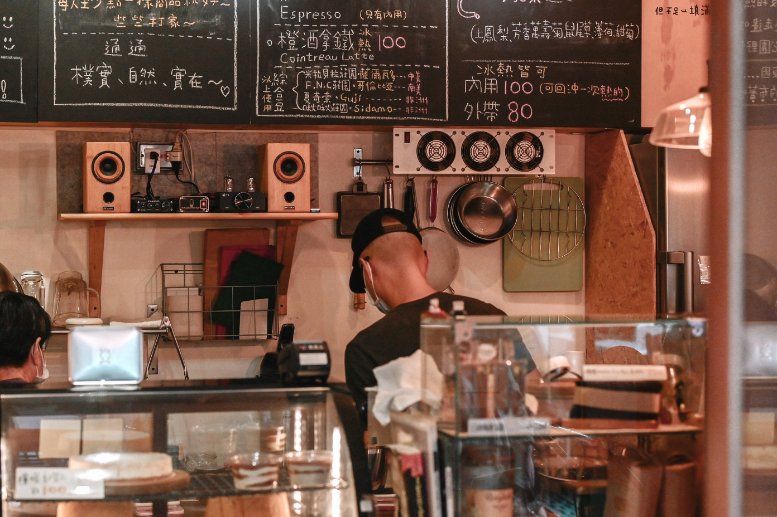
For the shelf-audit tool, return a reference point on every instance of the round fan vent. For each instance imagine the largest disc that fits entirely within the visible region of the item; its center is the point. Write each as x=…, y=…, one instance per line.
x=524, y=151
x=436, y=151
x=480, y=151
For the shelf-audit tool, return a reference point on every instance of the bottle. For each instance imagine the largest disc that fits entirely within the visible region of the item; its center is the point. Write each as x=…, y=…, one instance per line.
x=487, y=472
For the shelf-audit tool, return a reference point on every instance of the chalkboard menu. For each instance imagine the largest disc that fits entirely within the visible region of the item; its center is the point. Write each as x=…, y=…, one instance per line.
x=533, y=63
x=18, y=61
x=160, y=60
x=352, y=62
x=546, y=63
x=761, y=47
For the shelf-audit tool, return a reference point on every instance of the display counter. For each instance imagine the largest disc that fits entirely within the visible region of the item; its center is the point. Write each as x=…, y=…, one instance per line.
x=202, y=448
x=609, y=422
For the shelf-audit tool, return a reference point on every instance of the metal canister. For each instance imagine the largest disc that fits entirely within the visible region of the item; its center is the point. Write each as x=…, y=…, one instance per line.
x=32, y=285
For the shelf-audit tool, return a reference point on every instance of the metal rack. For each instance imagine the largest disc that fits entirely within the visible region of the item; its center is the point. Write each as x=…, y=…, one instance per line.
x=212, y=312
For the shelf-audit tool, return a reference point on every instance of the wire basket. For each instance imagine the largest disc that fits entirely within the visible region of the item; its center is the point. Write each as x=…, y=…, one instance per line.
x=211, y=312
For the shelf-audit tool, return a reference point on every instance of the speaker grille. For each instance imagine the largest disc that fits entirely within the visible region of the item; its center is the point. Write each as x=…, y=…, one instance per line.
x=108, y=167
x=289, y=167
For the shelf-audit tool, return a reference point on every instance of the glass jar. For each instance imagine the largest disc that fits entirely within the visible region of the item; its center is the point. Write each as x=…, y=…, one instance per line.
x=487, y=476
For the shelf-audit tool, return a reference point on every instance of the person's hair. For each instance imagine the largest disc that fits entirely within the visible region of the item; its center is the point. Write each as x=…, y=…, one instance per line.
x=22, y=321
x=758, y=272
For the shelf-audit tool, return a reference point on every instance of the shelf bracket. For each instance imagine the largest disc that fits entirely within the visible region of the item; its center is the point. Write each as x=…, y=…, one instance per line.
x=285, y=240
x=95, y=242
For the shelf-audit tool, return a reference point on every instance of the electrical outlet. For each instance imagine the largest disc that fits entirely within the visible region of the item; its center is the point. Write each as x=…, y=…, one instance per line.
x=143, y=148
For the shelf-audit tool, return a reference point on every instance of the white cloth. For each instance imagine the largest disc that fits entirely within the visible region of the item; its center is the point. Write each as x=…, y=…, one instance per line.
x=404, y=382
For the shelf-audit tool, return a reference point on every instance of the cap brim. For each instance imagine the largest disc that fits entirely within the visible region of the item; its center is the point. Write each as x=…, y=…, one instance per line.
x=357, y=280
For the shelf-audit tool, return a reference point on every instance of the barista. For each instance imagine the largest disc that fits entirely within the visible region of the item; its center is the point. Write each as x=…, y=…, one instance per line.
x=390, y=264
x=24, y=329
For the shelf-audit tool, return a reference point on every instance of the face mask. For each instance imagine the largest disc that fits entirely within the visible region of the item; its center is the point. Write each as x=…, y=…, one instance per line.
x=374, y=298
x=43, y=375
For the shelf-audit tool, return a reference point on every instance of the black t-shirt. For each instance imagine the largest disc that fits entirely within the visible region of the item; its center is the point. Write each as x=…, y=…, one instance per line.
x=398, y=334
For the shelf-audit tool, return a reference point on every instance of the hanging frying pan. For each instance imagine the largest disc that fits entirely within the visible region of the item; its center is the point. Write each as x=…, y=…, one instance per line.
x=453, y=221
x=481, y=212
x=440, y=247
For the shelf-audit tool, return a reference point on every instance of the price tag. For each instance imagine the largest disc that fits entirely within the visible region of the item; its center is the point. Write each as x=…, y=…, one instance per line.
x=623, y=372
x=56, y=483
x=507, y=426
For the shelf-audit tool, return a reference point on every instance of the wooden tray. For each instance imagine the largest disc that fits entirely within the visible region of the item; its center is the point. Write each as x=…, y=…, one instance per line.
x=178, y=480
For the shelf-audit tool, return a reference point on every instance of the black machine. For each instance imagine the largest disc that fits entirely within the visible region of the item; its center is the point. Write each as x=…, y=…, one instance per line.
x=238, y=202
x=153, y=206
x=300, y=362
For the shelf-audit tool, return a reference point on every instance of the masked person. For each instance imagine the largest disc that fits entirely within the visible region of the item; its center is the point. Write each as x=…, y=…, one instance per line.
x=24, y=329
x=390, y=264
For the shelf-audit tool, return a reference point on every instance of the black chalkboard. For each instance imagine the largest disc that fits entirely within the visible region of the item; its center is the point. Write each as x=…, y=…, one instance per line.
x=573, y=63
x=761, y=79
x=567, y=63
x=18, y=61
x=148, y=61
x=351, y=61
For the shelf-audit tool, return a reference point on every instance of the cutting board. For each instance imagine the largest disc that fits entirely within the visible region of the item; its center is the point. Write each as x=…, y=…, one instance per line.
x=523, y=274
x=215, y=239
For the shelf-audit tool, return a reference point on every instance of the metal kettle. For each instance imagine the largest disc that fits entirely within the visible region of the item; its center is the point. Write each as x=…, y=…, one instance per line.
x=7, y=281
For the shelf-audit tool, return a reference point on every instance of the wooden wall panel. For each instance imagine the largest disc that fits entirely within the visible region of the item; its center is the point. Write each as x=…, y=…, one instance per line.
x=620, y=274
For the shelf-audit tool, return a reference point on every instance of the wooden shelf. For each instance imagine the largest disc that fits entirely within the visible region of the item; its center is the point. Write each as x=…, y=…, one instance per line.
x=285, y=240
x=260, y=216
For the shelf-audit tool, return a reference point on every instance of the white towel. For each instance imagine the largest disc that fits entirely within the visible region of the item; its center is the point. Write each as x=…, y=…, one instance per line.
x=404, y=382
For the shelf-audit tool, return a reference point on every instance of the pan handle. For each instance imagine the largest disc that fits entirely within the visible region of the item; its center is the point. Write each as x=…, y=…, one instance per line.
x=433, y=199
x=388, y=193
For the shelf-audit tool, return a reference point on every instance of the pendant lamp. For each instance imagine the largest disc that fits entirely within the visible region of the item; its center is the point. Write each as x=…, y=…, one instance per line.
x=685, y=125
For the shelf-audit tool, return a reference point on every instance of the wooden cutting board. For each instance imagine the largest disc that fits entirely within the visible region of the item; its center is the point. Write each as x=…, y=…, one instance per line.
x=215, y=239
x=523, y=274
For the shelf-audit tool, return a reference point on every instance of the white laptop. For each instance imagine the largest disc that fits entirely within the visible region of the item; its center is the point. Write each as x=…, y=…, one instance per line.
x=105, y=355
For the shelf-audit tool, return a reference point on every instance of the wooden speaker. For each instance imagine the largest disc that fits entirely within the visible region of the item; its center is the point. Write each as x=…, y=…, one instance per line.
x=107, y=177
x=285, y=172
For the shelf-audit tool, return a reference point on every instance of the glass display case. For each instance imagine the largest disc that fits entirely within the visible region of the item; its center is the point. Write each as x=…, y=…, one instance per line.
x=209, y=448
x=566, y=418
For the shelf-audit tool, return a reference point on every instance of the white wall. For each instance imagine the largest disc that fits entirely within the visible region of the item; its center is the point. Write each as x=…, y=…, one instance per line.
x=319, y=300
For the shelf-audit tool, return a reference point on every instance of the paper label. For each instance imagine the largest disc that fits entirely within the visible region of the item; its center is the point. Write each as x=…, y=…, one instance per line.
x=316, y=359
x=623, y=373
x=56, y=483
x=509, y=425
x=493, y=503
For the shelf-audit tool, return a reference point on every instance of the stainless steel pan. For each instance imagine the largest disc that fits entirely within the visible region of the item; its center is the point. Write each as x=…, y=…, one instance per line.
x=486, y=210
x=481, y=212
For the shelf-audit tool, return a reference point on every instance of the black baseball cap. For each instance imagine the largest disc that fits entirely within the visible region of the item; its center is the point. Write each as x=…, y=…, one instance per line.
x=379, y=222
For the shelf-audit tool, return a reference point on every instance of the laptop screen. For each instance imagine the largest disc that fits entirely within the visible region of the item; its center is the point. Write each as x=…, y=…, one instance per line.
x=105, y=355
